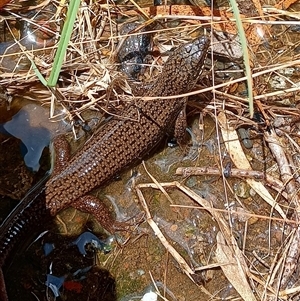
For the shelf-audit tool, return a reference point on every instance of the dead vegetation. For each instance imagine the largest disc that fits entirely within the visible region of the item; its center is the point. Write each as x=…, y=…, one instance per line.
x=90, y=80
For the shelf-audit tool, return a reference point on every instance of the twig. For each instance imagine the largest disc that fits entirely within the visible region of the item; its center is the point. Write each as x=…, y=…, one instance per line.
x=234, y=172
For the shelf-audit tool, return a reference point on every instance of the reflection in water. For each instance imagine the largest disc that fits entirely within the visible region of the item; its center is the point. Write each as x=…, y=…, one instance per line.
x=90, y=238
x=64, y=273
x=32, y=126
x=35, y=31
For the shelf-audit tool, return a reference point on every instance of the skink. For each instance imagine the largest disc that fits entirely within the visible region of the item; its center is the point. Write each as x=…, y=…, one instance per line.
x=116, y=146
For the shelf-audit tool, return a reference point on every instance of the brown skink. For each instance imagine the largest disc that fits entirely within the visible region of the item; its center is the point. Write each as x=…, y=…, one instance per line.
x=116, y=146
x=122, y=141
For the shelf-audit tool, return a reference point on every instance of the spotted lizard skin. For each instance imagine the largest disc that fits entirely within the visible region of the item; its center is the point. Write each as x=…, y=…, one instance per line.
x=127, y=139
x=114, y=147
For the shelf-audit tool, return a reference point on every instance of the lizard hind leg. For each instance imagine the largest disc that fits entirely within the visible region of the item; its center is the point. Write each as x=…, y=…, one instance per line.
x=92, y=205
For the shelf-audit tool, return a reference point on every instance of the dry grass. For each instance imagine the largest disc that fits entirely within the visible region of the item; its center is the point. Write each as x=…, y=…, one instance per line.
x=90, y=80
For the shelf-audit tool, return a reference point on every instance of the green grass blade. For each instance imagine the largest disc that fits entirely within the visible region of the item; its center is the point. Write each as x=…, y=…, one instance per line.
x=37, y=72
x=244, y=45
x=63, y=42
